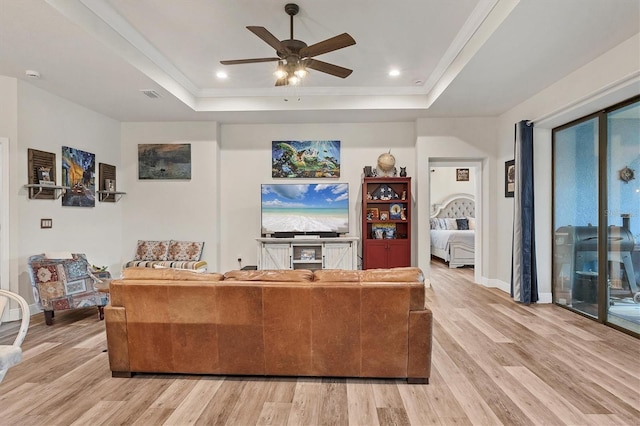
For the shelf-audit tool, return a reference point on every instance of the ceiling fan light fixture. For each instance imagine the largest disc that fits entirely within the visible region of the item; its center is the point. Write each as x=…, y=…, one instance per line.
x=280, y=71
x=294, y=80
x=301, y=72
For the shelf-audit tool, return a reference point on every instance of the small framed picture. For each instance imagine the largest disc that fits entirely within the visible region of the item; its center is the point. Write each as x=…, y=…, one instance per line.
x=395, y=211
x=44, y=176
x=373, y=213
x=384, y=215
x=110, y=185
x=462, y=175
x=509, y=178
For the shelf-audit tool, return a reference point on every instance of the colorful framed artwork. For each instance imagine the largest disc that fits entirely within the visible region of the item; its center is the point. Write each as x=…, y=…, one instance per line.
x=164, y=161
x=395, y=211
x=305, y=159
x=78, y=173
x=373, y=213
x=383, y=230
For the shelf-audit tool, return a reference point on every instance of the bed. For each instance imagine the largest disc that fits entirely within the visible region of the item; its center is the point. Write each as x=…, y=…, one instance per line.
x=452, y=231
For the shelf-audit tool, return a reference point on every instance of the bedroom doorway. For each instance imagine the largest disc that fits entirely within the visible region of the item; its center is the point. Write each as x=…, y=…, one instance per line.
x=454, y=207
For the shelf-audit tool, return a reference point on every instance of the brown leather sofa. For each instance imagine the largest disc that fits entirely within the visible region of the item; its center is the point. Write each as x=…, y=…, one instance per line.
x=333, y=323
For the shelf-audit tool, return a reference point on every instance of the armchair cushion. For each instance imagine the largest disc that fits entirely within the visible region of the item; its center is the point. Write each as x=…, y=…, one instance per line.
x=185, y=250
x=152, y=250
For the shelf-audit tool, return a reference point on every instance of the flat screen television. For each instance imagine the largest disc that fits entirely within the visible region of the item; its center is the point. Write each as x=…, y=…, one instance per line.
x=305, y=209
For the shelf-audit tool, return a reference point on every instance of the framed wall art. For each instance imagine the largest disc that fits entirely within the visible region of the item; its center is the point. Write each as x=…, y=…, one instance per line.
x=305, y=159
x=509, y=178
x=462, y=175
x=78, y=173
x=164, y=161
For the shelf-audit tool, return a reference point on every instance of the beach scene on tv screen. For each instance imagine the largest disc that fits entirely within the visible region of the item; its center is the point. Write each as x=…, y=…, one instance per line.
x=305, y=208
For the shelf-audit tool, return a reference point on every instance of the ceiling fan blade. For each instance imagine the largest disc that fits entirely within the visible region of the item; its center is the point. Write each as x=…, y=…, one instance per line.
x=248, y=61
x=328, y=68
x=282, y=82
x=328, y=45
x=270, y=39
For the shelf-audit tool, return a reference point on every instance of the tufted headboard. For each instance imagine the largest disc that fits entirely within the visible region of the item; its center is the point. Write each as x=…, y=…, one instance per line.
x=456, y=206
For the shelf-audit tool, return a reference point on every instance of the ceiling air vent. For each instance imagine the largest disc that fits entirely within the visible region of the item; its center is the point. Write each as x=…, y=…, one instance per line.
x=150, y=93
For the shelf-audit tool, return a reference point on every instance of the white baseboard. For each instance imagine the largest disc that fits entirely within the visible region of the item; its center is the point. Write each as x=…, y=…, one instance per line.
x=506, y=287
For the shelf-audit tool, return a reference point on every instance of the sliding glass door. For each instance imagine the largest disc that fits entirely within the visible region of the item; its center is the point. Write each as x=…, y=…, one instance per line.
x=623, y=216
x=594, y=183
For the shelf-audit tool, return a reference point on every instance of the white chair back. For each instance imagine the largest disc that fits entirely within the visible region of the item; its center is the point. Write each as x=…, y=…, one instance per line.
x=11, y=355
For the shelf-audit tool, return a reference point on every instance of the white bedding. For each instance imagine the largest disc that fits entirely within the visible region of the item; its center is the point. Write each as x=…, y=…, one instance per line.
x=440, y=239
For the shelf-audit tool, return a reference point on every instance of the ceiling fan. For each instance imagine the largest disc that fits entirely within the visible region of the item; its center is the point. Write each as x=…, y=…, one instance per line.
x=294, y=56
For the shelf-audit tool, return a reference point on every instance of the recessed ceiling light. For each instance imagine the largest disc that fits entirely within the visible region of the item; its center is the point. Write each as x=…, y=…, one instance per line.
x=394, y=73
x=222, y=74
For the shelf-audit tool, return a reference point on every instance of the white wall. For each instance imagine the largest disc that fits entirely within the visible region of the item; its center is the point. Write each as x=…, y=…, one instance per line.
x=9, y=130
x=608, y=79
x=246, y=163
x=185, y=210
x=461, y=140
x=47, y=122
x=444, y=183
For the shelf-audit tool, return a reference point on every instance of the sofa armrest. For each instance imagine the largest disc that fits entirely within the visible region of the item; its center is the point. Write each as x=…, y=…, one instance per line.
x=420, y=343
x=117, y=340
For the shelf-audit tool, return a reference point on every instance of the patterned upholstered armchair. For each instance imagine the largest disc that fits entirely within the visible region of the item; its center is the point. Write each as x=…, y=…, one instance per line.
x=65, y=283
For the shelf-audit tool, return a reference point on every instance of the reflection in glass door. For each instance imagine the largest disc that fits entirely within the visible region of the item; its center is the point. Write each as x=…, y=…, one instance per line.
x=623, y=216
x=576, y=216
x=597, y=182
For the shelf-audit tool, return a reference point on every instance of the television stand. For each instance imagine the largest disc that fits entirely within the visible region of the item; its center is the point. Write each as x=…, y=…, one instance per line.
x=308, y=253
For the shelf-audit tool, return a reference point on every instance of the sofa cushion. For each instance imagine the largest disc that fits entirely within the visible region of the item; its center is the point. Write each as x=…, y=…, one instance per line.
x=337, y=275
x=151, y=250
x=406, y=274
x=185, y=250
x=137, y=273
x=270, y=275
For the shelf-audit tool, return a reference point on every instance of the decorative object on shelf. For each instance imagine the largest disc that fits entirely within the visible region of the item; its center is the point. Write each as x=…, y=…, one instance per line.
x=384, y=192
x=404, y=195
x=368, y=171
x=509, y=178
x=384, y=215
x=107, y=192
x=462, y=175
x=403, y=214
x=44, y=176
x=386, y=165
x=626, y=174
x=372, y=213
x=383, y=230
x=305, y=159
x=164, y=161
x=79, y=169
x=395, y=211
x=110, y=185
x=307, y=254
x=403, y=172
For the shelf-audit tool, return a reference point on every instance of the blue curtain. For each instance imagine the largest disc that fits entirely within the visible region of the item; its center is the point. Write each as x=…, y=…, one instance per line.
x=524, y=278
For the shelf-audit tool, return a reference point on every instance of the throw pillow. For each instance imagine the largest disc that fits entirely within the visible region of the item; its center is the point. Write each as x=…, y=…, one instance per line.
x=463, y=224
x=185, y=250
x=472, y=223
x=151, y=250
x=433, y=223
x=451, y=224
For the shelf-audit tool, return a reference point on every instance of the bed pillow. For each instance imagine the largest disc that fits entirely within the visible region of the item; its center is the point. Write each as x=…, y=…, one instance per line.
x=472, y=223
x=451, y=224
x=433, y=223
x=442, y=223
x=463, y=224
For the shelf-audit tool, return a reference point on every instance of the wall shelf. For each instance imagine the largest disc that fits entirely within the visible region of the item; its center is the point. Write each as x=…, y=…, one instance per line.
x=58, y=191
x=113, y=196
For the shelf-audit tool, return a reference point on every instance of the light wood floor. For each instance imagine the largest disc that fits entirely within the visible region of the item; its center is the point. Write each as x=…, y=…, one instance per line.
x=494, y=362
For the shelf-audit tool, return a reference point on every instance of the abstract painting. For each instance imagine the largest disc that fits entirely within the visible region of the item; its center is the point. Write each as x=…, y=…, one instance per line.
x=164, y=161
x=78, y=173
x=305, y=159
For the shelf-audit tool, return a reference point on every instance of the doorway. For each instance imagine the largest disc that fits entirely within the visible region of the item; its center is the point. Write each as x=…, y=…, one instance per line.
x=4, y=213
x=455, y=180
